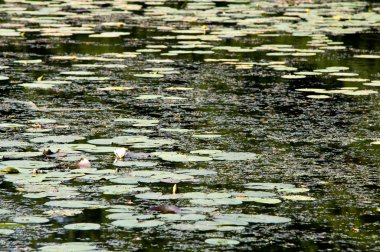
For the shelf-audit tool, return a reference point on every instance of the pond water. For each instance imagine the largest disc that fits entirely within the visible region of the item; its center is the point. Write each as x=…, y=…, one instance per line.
x=189, y=125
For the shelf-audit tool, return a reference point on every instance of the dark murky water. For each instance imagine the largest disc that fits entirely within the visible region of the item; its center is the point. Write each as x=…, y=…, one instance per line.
x=325, y=143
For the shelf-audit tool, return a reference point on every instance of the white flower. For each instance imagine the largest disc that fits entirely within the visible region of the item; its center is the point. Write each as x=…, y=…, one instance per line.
x=83, y=163
x=120, y=153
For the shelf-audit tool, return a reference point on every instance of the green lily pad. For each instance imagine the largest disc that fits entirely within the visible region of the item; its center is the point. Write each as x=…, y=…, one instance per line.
x=63, y=212
x=12, y=125
x=293, y=76
x=222, y=242
x=12, y=143
x=122, y=216
x=218, y=195
x=307, y=73
x=9, y=224
x=120, y=209
x=19, y=155
x=318, y=96
x=28, y=164
x=255, y=194
x=269, y=201
x=101, y=141
x=205, y=152
x=69, y=247
x=177, y=157
x=175, y=130
x=4, y=211
x=135, y=164
x=122, y=189
x=117, y=88
x=37, y=85
x=80, y=73
x=293, y=190
x=367, y=56
x=149, y=75
x=298, y=198
x=353, y=79
x=197, y=226
x=43, y=121
x=109, y=35
x=82, y=226
x=57, y=139
x=206, y=136
x=73, y=204
x=24, y=177
x=10, y=170
x=30, y=220
x=268, y=186
x=194, y=195
x=195, y=172
x=129, y=224
x=234, y=156
x=264, y=218
x=216, y=202
x=5, y=231
x=125, y=180
x=230, y=228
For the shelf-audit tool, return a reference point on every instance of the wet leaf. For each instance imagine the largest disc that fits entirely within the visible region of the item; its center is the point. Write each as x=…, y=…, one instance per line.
x=69, y=247
x=30, y=220
x=82, y=226
x=222, y=242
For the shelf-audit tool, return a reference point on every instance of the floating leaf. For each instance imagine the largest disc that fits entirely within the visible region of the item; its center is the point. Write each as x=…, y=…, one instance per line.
x=269, y=201
x=234, y=156
x=125, y=180
x=264, y=218
x=63, y=212
x=293, y=190
x=122, y=189
x=11, y=125
x=137, y=224
x=353, y=79
x=197, y=226
x=177, y=157
x=28, y=164
x=367, y=56
x=293, y=76
x=4, y=211
x=69, y=247
x=206, y=136
x=222, y=242
x=318, y=96
x=298, y=198
x=30, y=220
x=268, y=186
x=82, y=226
x=73, y=204
x=5, y=231
x=135, y=164
x=43, y=121
x=10, y=170
x=57, y=139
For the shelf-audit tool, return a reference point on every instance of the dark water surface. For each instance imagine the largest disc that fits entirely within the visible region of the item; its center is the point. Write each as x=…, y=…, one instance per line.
x=238, y=101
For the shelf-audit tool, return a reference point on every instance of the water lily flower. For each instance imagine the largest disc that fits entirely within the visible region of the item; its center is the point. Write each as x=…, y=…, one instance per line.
x=120, y=153
x=204, y=27
x=83, y=163
x=175, y=189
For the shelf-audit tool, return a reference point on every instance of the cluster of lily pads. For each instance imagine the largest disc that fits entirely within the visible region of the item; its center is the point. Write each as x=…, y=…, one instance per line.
x=45, y=159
